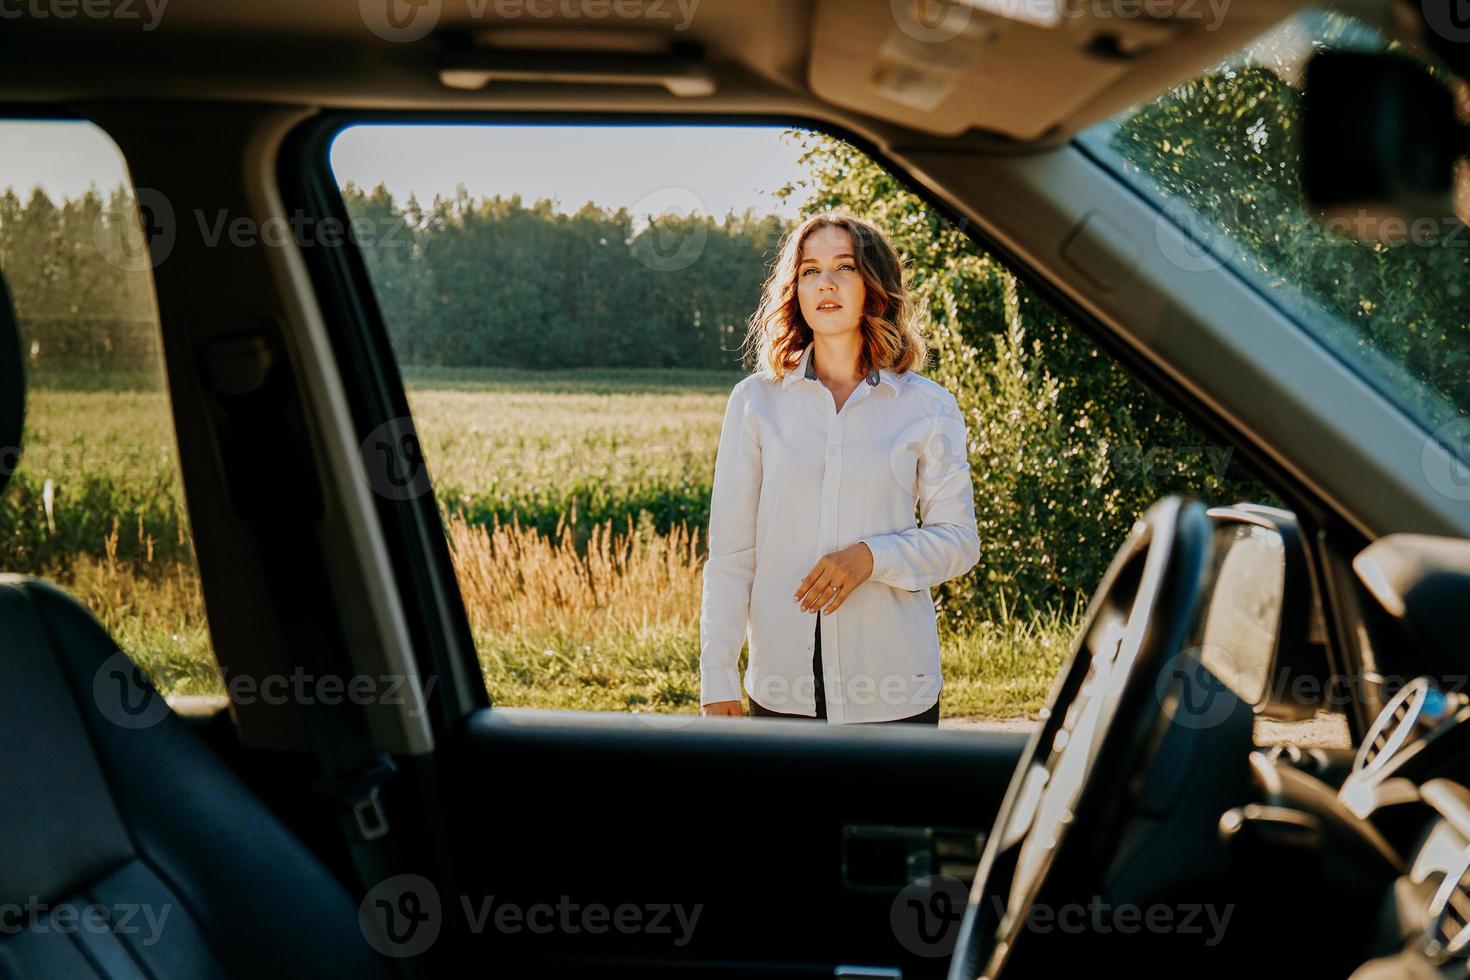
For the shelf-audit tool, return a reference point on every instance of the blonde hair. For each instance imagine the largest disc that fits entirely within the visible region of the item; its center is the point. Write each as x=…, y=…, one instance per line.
x=890, y=325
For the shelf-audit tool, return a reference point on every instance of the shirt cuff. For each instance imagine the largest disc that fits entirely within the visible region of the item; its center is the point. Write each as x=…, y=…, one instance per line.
x=719, y=684
x=882, y=559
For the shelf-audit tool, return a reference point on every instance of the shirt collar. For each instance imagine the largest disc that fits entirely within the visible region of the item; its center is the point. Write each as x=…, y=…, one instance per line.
x=806, y=370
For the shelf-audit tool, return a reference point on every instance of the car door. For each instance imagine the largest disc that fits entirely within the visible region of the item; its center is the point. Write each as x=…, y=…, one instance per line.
x=591, y=843
x=543, y=841
x=636, y=843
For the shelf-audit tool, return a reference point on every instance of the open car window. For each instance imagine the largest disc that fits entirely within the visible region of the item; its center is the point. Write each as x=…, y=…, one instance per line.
x=567, y=305
x=96, y=502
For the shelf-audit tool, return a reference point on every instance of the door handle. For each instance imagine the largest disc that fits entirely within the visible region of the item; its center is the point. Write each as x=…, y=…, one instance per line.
x=887, y=857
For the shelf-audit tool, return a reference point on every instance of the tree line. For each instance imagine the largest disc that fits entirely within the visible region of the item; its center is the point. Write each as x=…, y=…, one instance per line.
x=497, y=282
x=82, y=318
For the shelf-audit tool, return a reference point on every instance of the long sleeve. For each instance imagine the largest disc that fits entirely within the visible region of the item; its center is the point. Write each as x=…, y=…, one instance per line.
x=730, y=569
x=948, y=543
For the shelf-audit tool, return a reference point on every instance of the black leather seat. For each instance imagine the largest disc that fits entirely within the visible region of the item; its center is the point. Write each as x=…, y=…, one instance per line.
x=127, y=849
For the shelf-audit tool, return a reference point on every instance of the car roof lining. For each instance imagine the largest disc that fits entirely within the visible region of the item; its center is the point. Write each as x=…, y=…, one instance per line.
x=766, y=56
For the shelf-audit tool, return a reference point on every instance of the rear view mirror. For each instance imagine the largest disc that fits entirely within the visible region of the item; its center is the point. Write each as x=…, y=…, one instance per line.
x=1379, y=143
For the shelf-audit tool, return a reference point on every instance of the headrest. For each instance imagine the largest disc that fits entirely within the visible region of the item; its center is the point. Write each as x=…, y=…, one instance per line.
x=12, y=387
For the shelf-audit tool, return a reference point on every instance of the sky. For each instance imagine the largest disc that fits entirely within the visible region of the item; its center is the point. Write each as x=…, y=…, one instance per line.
x=63, y=157
x=649, y=169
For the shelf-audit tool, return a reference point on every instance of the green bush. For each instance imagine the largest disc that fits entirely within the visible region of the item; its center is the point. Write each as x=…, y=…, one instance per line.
x=1066, y=448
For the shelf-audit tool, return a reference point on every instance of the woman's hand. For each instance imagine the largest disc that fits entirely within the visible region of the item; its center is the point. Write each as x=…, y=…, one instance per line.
x=831, y=580
x=722, y=709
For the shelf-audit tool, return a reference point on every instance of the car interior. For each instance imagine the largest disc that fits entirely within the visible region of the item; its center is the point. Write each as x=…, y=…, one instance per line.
x=1149, y=822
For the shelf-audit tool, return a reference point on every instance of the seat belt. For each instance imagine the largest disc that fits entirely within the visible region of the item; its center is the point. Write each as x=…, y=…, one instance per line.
x=258, y=422
x=353, y=770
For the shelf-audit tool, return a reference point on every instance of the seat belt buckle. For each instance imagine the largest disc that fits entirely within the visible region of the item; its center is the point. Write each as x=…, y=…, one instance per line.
x=358, y=791
x=372, y=822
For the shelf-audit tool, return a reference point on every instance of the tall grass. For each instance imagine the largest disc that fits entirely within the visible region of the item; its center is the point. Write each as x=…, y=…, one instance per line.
x=153, y=609
x=615, y=627
x=574, y=505
x=612, y=626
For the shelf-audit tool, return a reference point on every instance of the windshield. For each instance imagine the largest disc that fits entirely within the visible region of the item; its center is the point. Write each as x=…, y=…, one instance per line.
x=1220, y=158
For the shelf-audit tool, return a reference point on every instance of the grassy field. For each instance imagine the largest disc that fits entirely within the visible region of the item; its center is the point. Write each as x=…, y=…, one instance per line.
x=575, y=503
x=614, y=447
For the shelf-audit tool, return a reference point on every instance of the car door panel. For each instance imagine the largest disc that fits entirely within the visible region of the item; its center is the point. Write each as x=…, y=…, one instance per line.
x=785, y=844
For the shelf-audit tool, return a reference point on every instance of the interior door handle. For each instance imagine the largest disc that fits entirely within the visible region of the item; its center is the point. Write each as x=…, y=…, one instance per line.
x=888, y=857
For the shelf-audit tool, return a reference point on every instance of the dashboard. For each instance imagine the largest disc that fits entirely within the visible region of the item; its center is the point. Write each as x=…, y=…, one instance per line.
x=1379, y=837
x=1148, y=786
x=1384, y=849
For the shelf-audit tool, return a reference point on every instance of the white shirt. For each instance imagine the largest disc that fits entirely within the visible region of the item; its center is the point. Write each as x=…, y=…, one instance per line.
x=795, y=480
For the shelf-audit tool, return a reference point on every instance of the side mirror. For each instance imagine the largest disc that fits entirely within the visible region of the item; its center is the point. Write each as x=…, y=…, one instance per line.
x=1262, y=632
x=1380, y=139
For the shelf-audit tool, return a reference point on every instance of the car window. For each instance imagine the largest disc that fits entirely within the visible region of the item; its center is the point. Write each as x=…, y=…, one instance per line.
x=96, y=502
x=567, y=304
x=1220, y=157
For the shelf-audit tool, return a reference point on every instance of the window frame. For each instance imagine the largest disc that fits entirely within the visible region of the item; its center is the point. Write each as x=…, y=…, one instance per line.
x=30, y=112
x=415, y=532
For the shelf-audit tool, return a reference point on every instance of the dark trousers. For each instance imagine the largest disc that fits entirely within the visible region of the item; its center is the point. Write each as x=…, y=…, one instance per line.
x=757, y=710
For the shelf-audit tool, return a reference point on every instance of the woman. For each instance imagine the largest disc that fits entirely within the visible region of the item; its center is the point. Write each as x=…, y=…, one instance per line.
x=813, y=549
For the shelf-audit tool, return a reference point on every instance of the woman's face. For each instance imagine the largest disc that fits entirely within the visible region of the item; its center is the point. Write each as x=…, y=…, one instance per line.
x=828, y=285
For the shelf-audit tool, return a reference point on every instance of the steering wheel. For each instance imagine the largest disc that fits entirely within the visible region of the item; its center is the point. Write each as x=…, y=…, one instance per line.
x=1093, y=751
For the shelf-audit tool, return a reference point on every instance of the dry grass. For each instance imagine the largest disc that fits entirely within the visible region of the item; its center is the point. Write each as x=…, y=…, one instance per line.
x=615, y=626
x=517, y=580
x=153, y=610
x=611, y=626
x=604, y=616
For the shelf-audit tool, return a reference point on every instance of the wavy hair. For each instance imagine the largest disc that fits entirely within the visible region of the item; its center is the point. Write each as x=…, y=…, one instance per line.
x=890, y=328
